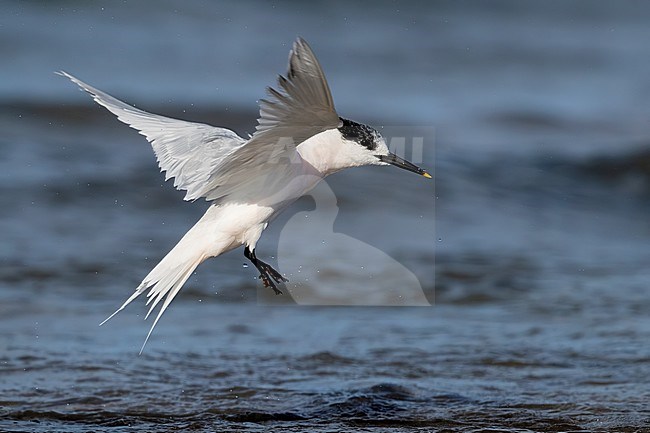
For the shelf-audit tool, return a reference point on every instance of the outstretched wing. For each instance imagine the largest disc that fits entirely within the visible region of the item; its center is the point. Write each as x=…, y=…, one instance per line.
x=302, y=108
x=212, y=162
x=188, y=152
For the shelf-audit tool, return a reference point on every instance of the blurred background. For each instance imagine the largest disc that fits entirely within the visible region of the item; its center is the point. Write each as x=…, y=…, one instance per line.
x=531, y=243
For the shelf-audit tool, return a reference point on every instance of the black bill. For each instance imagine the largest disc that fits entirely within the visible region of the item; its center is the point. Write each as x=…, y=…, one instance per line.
x=395, y=160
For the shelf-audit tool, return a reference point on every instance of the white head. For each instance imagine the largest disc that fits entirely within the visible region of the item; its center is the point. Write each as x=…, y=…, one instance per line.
x=364, y=145
x=352, y=144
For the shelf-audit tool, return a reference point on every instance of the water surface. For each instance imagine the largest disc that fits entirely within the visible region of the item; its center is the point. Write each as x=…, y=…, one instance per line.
x=531, y=244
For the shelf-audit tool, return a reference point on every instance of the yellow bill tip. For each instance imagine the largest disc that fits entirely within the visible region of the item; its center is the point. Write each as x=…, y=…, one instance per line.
x=427, y=175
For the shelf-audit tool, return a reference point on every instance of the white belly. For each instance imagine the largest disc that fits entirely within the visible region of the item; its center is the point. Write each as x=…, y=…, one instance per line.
x=241, y=218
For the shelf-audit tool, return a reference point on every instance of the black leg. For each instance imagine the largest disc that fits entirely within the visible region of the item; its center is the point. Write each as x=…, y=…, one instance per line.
x=268, y=275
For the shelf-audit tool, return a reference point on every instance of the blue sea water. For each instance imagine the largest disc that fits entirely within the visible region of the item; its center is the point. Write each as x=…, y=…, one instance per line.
x=531, y=244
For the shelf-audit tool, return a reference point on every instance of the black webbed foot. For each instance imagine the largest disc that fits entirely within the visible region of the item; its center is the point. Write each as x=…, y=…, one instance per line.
x=268, y=275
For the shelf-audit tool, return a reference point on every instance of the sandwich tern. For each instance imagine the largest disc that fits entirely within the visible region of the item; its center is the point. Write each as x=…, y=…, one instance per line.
x=299, y=140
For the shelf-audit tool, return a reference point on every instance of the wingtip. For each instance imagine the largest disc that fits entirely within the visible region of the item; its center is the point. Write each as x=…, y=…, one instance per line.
x=63, y=73
x=72, y=78
x=300, y=44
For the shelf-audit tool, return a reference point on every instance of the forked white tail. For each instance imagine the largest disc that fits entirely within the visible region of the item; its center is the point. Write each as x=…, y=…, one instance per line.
x=165, y=280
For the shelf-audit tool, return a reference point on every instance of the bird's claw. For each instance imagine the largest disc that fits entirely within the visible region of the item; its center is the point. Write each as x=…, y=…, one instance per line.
x=270, y=277
x=270, y=284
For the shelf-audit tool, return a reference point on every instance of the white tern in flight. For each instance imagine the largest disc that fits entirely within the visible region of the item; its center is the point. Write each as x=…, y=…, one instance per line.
x=299, y=140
